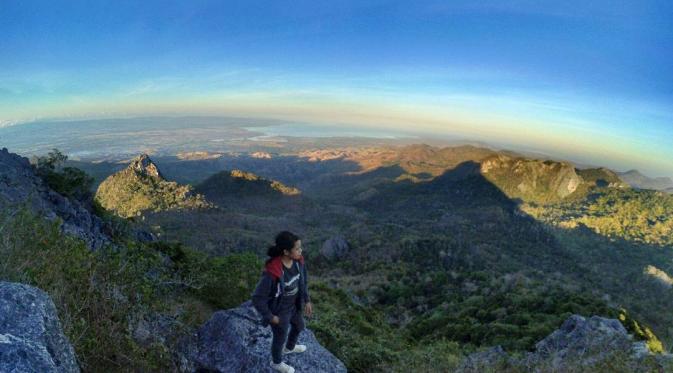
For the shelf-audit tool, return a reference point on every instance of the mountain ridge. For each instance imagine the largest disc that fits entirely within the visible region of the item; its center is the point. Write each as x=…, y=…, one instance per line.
x=240, y=183
x=638, y=180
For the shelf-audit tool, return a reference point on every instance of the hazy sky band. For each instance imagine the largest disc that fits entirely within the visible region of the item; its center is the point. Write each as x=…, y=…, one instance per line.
x=590, y=80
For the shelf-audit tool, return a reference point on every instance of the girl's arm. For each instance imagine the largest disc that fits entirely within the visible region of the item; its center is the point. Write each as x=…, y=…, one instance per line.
x=304, y=291
x=260, y=297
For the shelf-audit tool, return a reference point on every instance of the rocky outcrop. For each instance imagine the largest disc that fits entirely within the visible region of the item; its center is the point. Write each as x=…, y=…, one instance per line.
x=579, y=335
x=31, y=339
x=20, y=185
x=532, y=180
x=660, y=276
x=335, y=248
x=261, y=155
x=143, y=165
x=233, y=341
x=140, y=187
x=579, y=343
x=487, y=360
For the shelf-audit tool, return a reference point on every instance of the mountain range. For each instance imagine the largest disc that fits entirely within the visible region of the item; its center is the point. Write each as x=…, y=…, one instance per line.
x=640, y=181
x=440, y=251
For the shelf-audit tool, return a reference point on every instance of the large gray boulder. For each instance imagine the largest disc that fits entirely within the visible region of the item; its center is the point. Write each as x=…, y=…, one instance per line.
x=335, y=248
x=31, y=339
x=581, y=337
x=20, y=185
x=580, y=344
x=488, y=360
x=233, y=341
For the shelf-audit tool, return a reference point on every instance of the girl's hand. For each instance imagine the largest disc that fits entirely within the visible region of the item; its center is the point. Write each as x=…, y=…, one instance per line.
x=308, y=309
x=275, y=320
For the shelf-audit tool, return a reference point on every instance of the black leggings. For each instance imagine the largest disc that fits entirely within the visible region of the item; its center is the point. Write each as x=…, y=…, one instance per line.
x=291, y=317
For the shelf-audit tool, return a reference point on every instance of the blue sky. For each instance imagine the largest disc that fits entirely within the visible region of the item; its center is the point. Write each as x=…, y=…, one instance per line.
x=591, y=80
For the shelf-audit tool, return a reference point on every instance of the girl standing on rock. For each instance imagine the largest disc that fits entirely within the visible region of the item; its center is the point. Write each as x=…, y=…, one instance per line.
x=281, y=295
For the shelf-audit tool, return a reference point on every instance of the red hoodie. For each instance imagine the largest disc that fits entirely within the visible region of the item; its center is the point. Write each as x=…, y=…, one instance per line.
x=274, y=266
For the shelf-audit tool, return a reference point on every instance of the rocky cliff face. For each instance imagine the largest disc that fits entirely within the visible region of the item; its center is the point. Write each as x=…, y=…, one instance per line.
x=580, y=344
x=20, y=185
x=532, y=180
x=233, y=341
x=31, y=339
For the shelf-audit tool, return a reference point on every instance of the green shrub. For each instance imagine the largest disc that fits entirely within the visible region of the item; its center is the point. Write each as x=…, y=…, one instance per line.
x=68, y=181
x=223, y=282
x=641, y=332
x=94, y=292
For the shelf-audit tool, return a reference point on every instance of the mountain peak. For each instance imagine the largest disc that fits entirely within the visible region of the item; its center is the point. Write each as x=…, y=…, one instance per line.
x=143, y=165
x=141, y=187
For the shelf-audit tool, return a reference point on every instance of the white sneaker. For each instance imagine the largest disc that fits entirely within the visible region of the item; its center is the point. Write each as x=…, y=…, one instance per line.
x=297, y=348
x=282, y=367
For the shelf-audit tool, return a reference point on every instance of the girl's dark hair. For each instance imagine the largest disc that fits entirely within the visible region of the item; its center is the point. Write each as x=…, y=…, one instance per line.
x=284, y=241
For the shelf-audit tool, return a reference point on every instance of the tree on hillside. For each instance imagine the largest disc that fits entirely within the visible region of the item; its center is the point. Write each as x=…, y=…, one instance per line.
x=51, y=162
x=68, y=181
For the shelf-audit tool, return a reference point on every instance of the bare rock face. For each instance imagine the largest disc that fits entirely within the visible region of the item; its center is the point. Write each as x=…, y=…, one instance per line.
x=578, y=335
x=31, y=339
x=261, y=155
x=532, y=180
x=486, y=360
x=143, y=165
x=233, y=341
x=335, y=248
x=20, y=185
x=660, y=276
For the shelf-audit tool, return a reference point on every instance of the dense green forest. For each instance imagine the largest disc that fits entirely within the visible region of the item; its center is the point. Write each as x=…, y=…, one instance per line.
x=644, y=216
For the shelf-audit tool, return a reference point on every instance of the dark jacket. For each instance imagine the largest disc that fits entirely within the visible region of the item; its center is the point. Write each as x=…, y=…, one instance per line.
x=271, y=287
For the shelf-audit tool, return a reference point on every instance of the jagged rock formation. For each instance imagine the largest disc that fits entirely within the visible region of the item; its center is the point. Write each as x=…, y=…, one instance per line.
x=233, y=341
x=19, y=185
x=31, y=339
x=579, y=343
x=335, y=248
x=141, y=187
x=143, y=165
